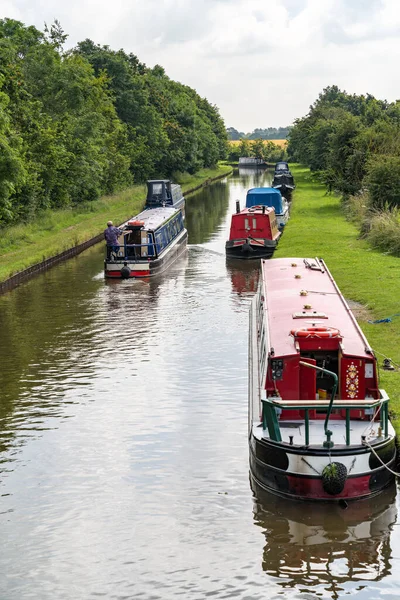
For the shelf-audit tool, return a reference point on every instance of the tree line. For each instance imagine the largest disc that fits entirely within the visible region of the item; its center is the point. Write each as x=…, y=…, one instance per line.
x=353, y=143
x=90, y=121
x=264, y=149
x=269, y=133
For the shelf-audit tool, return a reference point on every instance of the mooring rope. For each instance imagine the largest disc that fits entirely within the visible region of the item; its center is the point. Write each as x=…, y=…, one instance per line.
x=381, y=461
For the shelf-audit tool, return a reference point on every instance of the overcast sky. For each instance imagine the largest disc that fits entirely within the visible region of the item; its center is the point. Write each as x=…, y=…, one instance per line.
x=262, y=62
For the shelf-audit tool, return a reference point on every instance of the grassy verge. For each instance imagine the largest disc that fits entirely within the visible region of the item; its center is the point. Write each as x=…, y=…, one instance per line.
x=317, y=227
x=55, y=231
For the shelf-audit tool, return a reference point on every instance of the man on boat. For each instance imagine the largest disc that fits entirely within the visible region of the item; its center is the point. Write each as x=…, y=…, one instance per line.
x=111, y=235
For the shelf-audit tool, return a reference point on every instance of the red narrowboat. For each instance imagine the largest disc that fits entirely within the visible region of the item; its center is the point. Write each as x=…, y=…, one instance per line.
x=254, y=233
x=319, y=425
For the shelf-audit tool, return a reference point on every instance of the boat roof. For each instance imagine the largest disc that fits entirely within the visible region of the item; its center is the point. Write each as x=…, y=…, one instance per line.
x=283, y=279
x=154, y=217
x=267, y=196
x=258, y=211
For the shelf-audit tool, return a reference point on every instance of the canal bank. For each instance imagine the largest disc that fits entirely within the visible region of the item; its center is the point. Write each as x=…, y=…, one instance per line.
x=82, y=228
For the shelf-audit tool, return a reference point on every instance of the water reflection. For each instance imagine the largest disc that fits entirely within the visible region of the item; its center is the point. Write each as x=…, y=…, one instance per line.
x=253, y=177
x=314, y=546
x=206, y=210
x=244, y=276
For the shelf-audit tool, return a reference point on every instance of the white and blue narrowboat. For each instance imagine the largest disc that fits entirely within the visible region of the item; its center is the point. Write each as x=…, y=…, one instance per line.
x=268, y=196
x=150, y=242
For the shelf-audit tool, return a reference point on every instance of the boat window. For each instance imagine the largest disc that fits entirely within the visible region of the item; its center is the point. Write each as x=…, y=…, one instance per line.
x=246, y=224
x=254, y=223
x=157, y=188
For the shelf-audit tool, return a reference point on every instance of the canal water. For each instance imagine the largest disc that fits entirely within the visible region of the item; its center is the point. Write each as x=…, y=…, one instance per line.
x=123, y=442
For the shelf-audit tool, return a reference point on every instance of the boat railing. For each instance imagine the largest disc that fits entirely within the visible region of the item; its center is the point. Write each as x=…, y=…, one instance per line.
x=270, y=418
x=130, y=255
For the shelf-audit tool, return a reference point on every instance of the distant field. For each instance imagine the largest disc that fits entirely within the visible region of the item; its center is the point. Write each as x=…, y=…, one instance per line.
x=282, y=143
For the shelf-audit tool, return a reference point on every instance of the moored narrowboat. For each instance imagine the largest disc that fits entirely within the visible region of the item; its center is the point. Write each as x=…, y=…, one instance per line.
x=319, y=425
x=151, y=241
x=284, y=182
x=268, y=196
x=251, y=161
x=253, y=234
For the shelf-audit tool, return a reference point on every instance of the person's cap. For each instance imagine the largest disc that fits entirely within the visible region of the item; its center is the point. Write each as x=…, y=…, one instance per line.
x=109, y=223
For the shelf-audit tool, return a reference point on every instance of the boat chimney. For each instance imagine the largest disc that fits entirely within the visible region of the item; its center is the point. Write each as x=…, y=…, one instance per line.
x=263, y=210
x=238, y=206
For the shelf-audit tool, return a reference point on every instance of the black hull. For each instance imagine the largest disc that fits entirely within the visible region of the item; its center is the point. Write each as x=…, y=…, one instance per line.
x=269, y=468
x=250, y=251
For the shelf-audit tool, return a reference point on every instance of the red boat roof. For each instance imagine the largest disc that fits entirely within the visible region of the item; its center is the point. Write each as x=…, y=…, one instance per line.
x=285, y=282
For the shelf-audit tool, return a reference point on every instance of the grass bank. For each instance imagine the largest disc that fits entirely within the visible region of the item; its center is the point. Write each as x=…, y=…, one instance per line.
x=52, y=232
x=318, y=227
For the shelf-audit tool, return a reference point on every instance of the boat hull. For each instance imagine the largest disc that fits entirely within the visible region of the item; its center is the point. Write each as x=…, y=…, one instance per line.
x=146, y=267
x=272, y=466
x=246, y=250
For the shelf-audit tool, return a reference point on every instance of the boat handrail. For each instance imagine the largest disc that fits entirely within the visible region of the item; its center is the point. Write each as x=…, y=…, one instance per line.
x=270, y=404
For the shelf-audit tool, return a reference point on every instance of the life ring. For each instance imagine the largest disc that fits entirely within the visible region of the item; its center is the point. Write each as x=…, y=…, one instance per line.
x=318, y=332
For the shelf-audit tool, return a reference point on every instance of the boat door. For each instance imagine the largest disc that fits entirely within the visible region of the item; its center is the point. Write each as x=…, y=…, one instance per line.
x=308, y=380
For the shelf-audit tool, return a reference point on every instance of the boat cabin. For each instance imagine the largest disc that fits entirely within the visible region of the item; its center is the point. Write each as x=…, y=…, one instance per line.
x=161, y=192
x=269, y=196
x=251, y=161
x=308, y=323
x=281, y=166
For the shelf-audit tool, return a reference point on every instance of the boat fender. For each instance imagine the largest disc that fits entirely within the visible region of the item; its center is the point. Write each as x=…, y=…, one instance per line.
x=125, y=271
x=334, y=478
x=318, y=332
x=246, y=247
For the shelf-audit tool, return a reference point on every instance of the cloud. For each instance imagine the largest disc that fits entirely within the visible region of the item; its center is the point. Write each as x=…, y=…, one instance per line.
x=263, y=63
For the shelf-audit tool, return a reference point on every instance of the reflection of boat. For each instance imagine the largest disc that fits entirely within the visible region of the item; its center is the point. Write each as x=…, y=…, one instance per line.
x=151, y=242
x=268, y=196
x=250, y=161
x=161, y=192
x=326, y=545
x=254, y=233
x=319, y=425
x=244, y=276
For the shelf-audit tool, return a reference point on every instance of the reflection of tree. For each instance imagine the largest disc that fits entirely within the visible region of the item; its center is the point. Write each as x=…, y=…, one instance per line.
x=206, y=210
x=251, y=177
x=57, y=329
x=313, y=544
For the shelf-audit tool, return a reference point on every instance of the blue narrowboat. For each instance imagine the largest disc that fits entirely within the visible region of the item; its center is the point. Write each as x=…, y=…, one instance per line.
x=151, y=241
x=268, y=196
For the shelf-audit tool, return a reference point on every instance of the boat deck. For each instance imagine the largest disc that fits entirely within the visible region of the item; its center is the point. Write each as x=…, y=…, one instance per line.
x=296, y=428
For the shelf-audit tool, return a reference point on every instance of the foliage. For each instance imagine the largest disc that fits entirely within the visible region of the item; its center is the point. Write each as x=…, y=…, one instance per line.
x=270, y=133
x=75, y=125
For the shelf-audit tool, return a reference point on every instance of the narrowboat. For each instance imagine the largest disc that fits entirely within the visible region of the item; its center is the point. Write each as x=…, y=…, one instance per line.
x=151, y=241
x=250, y=161
x=284, y=183
x=253, y=234
x=319, y=425
x=281, y=167
x=162, y=192
x=268, y=196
